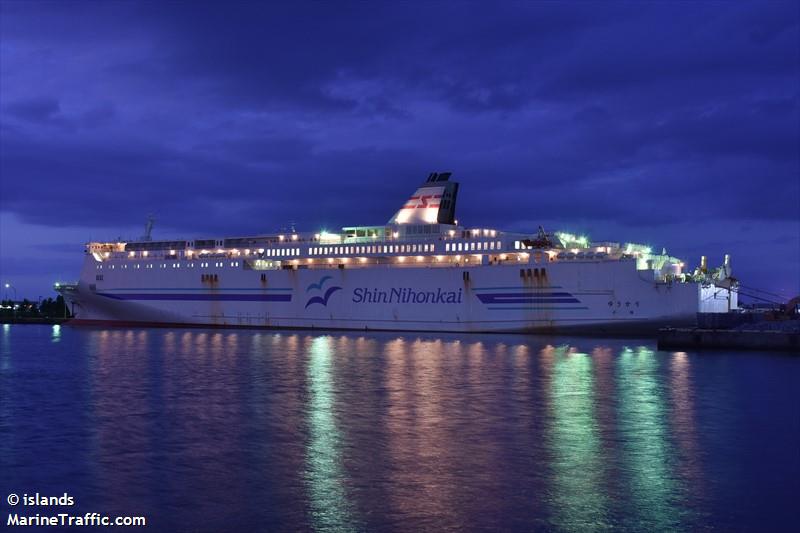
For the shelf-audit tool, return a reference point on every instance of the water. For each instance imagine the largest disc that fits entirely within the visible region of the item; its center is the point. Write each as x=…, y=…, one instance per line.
x=261, y=431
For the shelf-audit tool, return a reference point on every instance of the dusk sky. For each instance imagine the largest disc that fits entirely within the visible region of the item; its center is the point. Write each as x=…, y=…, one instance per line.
x=673, y=124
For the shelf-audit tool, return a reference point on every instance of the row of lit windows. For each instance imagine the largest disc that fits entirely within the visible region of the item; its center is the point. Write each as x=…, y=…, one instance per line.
x=356, y=250
x=282, y=252
x=218, y=264
x=472, y=246
x=137, y=266
x=372, y=249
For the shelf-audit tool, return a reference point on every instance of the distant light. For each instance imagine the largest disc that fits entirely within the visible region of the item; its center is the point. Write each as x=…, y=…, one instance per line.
x=247, y=251
x=57, y=284
x=220, y=251
x=294, y=236
x=362, y=259
x=452, y=232
x=401, y=259
x=281, y=237
x=396, y=234
x=420, y=258
x=8, y=285
x=145, y=253
x=261, y=250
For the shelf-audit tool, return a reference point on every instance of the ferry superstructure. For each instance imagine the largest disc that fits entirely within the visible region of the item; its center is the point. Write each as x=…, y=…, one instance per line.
x=421, y=271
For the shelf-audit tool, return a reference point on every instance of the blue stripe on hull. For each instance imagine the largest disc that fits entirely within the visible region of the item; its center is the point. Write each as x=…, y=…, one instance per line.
x=210, y=297
x=523, y=288
x=488, y=300
x=532, y=308
x=201, y=289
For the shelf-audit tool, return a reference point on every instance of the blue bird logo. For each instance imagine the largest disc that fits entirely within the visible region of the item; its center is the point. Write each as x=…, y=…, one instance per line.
x=318, y=285
x=326, y=296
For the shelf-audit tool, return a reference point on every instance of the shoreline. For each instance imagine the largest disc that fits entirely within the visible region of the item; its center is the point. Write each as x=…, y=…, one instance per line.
x=34, y=320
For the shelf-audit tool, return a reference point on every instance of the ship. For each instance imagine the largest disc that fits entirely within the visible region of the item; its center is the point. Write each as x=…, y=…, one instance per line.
x=420, y=271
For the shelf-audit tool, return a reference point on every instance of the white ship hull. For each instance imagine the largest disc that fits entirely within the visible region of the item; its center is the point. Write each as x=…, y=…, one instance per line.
x=421, y=271
x=596, y=296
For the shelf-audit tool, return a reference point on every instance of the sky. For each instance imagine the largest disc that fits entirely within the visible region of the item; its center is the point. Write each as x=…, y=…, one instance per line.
x=676, y=124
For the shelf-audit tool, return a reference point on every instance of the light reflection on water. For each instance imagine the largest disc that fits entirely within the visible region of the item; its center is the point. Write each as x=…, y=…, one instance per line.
x=650, y=460
x=578, y=466
x=325, y=474
x=215, y=430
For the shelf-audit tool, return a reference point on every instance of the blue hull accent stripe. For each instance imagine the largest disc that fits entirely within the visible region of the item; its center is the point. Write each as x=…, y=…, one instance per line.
x=532, y=308
x=209, y=297
x=528, y=298
x=186, y=289
x=523, y=288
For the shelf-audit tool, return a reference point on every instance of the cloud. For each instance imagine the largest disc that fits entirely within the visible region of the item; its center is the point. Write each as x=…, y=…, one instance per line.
x=246, y=118
x=37, y=110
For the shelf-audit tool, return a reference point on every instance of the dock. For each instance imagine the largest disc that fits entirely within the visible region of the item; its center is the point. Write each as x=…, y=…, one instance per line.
x=737, y=339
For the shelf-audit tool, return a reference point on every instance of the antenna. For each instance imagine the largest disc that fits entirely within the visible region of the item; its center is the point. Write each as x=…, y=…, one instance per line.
x=148, y=227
